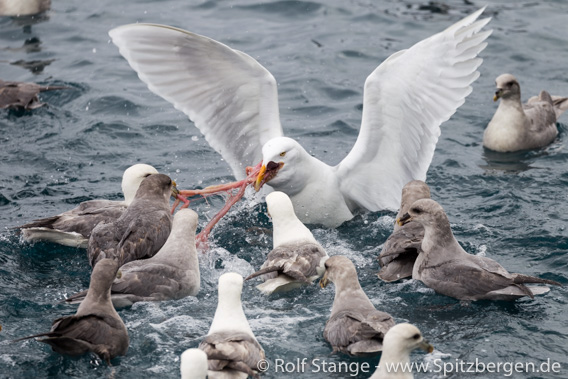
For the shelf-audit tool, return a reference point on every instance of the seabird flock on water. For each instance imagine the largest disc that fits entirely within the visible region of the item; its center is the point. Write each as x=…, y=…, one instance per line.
x=140, y=252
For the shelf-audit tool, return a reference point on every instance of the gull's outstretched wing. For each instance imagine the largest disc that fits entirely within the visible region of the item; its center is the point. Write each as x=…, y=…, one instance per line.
x=406, y=99
x=229, y=96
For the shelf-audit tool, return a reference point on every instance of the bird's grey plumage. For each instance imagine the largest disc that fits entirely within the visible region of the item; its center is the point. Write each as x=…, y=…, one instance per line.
x=297, y=261
x=296, y=258
x=73, y=228
x=516, y=126
x=96, y=327
x=20, y=95
x=355, y=327
x=231, y=347
x=403, y=246
x=171, y=274
x=398, y=343
x=230, y=351
x=142, y=229
x=448, y=269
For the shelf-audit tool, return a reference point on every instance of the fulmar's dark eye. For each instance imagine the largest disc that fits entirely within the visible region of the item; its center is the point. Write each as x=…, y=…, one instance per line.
x=416, y=336
x=416, y=210
x=510, y=84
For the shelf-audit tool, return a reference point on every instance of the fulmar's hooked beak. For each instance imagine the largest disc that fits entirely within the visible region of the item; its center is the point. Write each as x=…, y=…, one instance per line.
x=175, y=191
x=498, y=94
x=404, y=219
x=425, y=345
x=324, y=281
x=266, y=173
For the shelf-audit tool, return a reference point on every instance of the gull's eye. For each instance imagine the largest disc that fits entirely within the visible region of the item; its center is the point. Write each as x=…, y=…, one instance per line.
x=416, y=336
x=282, y=153
x=148, y=174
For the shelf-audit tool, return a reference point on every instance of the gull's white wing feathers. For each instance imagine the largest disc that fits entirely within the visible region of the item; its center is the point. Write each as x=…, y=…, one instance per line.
x=229, y=96
x=406, y=99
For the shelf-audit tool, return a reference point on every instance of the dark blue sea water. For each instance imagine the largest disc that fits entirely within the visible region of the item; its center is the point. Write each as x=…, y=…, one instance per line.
x=510, y=207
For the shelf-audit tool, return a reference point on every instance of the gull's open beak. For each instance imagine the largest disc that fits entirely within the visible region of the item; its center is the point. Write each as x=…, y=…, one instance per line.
x=175, y=191
x=424, y=345
x=266, y=173
x=404, y=219
x=324, y=281
x=498, y=94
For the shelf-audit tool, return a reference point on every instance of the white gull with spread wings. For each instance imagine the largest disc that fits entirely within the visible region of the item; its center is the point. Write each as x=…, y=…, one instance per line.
x=233, y=100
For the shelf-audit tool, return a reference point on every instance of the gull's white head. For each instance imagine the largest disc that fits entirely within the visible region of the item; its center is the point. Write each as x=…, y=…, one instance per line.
x=403, y=339
x=287, y=228
x=282, y=159
x=193, y=364
x=132, y=178
x=507, y=87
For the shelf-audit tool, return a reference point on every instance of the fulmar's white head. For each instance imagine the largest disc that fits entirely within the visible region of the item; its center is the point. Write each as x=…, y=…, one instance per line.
x=287, y=228
x=398, y=343
x=507, y=88
x=132, y=178
x=193, y=364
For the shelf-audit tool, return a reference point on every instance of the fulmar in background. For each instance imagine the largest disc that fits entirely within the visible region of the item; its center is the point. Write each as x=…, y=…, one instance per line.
x=516, y=126
x=96, y=327
x=354, y=327
x=449, y=270
x=171, y=274
x=233, y=100
x=398, y=343
x=142, y=229
x=73, y=228
x=404, y=244
x=21, y=95
x=231, y=347
x=296, y=258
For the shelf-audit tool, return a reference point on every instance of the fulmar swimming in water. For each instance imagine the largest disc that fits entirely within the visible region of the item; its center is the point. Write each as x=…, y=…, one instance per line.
x=449, y=270
x=231, y=347
x=296, y=258
x=516, y=126
x=404, y=244
x=20, y=95
x=354, y=327
x=96, y=327
x=398, y=343
x=73, y=228
x=142, y=229
x=171, y=274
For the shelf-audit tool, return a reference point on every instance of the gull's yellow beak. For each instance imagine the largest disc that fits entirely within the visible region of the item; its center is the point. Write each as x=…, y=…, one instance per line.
x=266, y=173
x=324, y=281
x=404, y=219
x=259, y=178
